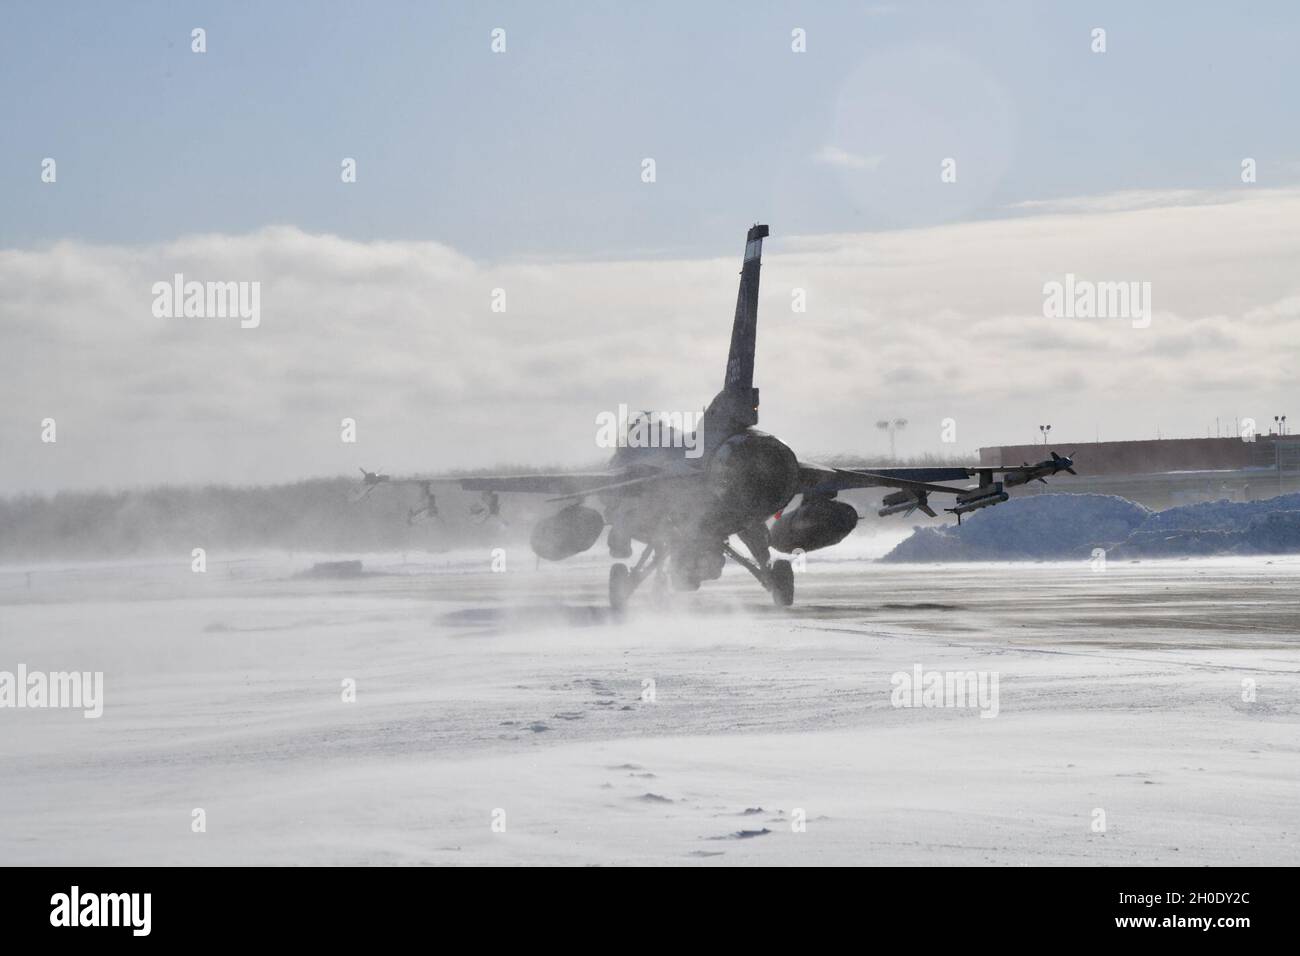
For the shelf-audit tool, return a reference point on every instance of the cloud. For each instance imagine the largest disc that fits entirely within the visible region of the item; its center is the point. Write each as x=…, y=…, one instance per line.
x=924, y=324
x=1129, y=199
x=843, y=159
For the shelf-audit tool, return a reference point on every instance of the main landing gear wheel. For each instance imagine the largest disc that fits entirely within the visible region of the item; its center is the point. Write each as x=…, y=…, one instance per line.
x=623, y=582
x=782, y=583
x=620, y=587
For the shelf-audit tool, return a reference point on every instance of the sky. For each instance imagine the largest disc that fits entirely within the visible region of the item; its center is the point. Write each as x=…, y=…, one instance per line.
x=523, y=170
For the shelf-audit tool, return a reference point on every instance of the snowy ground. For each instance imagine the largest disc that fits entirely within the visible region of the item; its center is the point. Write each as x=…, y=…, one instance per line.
x=1119, y=691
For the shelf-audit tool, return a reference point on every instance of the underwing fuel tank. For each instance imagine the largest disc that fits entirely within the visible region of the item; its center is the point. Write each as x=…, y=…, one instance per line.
x=566, y=533
x=816, y=523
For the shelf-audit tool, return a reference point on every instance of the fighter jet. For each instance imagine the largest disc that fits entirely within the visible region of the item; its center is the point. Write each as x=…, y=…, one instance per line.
x=685, y=511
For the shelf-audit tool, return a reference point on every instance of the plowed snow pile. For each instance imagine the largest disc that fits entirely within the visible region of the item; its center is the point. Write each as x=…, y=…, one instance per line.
x=1041, y=527
x=1064, y=527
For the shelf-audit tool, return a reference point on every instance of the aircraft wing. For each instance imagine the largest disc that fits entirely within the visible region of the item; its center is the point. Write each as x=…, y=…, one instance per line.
x=563, y=486
x=816, y=479
x=629, y=486
x=574, y=485
x=562, y=483
x=559, y=483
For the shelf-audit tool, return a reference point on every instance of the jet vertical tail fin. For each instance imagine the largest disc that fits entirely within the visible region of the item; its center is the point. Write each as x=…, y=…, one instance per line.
x=744, y=329
x=736, y=406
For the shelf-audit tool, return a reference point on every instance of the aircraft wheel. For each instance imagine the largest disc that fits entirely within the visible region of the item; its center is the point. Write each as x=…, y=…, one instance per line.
x=620, y=587
x=782, y=583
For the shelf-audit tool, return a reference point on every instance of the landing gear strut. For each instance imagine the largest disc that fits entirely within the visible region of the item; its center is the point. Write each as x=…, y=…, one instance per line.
x=623, y=582
x=778, y=577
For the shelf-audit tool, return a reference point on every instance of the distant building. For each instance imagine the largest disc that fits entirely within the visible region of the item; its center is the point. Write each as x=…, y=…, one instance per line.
x=1170, y=471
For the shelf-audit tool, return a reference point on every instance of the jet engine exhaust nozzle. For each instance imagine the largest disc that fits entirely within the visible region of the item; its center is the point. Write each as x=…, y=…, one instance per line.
x=754, y=475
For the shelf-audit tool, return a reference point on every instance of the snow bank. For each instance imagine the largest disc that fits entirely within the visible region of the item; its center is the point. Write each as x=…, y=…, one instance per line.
x=1062, y=527
x=1220, y=515
x=1268, y=532
x=1038, y=527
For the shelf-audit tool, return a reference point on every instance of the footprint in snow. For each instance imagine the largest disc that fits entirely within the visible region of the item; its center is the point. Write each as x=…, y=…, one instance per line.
x=743, y=834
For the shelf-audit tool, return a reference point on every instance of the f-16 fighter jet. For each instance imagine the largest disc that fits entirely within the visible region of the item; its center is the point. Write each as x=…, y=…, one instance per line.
x=686, y=499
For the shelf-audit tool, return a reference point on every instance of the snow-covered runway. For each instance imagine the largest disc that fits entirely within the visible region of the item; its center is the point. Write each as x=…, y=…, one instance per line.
x=505, y=718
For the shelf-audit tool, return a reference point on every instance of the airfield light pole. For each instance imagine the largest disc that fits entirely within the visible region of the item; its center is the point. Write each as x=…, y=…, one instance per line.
x=891, y=427
x=1044, y=429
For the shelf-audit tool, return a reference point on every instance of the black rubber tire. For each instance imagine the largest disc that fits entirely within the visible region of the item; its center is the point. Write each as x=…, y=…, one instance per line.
x=620, y=587
x=782, y=583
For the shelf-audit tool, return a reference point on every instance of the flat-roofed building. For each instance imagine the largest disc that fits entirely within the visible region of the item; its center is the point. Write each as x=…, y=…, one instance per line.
x=1164, y=472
